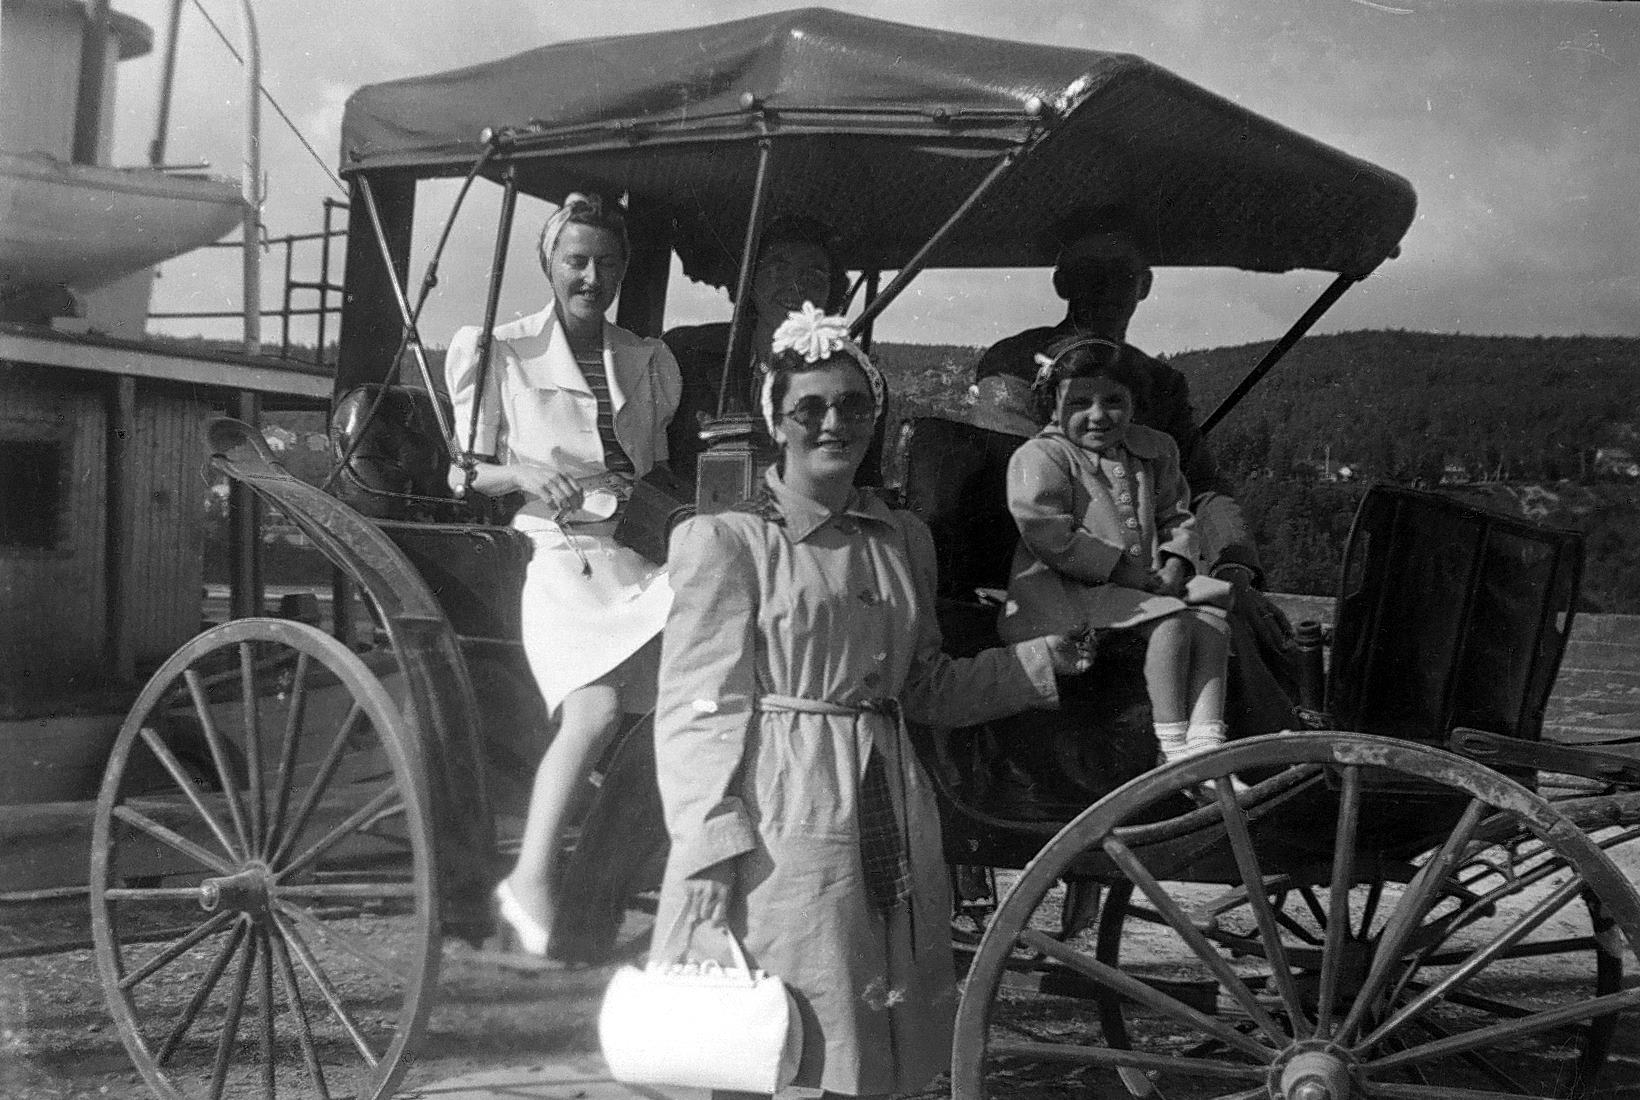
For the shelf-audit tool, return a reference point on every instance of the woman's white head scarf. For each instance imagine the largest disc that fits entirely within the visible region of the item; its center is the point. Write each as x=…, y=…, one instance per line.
x=575, y=203
x=816, y=336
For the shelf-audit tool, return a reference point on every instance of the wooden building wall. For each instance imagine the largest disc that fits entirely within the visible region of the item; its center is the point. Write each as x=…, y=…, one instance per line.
x=52, y=602
x=166, y=545
x=120, y=588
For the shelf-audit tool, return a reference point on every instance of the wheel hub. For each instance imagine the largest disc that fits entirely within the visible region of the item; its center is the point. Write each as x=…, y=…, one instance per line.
x=1311, y=1071
x=245, y=892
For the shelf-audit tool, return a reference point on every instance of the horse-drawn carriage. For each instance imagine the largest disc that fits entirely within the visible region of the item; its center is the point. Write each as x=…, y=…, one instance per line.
x=290, y=822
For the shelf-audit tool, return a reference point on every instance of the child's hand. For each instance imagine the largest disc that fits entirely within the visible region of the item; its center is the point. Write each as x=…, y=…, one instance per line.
x=1130, y=574
x=1172, y=577
x=1072, y=654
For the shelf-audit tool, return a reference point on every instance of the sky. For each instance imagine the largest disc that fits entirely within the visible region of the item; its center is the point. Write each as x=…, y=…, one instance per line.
x=1518, y=123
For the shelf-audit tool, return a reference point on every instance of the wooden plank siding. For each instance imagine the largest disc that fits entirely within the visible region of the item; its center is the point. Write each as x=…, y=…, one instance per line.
x=52, y=605
x=165, y=548
x=122, y=587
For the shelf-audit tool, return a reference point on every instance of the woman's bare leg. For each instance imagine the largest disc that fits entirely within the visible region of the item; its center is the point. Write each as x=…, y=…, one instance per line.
x=591, y=717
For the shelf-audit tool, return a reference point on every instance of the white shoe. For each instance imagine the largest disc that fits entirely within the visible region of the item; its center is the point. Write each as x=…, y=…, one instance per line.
x=527, y=934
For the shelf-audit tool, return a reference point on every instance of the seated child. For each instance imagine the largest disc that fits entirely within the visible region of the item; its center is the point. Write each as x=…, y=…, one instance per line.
x=1107, y=541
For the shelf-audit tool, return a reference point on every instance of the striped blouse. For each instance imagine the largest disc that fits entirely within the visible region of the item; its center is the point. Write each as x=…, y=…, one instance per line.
x=592, y=368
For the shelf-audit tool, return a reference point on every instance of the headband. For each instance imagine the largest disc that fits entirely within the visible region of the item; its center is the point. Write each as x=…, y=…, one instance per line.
x=816, y=336
x=1047, y=366
x=575, y=203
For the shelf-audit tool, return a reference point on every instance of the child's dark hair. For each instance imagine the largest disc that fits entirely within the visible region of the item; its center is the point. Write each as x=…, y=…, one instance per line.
x=1086, y=357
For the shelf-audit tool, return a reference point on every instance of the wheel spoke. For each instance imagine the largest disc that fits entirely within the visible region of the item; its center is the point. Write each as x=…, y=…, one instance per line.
x=327, y=991
x=230, y=1026
x=1343, y=881
x=287, y=752
x=1247, y=862
x=321, y=781
x=219, y=755
x=1182, y=926
x=1479, y=959
x=1421, y=895
x=1465, y=999
x=202, y=994
x=1369, y=909
x=253, y=740
x=1394, y=1091
x=1306, y=894
x=1473, y=1058
x=329, y=840
x=139, y=820
x=304, y=1032
x=1302, y=934
x=1504, y=1034
x=175, y=950
x=367, y=890
x=1078, y=1054
x=1149, y=996
x=179, y=775
x=270, y=1087
x=152, y=893
x=337, y=938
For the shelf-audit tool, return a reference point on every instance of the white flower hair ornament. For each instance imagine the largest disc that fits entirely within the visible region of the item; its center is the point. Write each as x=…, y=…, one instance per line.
x=815, y=335
x=1047, y=366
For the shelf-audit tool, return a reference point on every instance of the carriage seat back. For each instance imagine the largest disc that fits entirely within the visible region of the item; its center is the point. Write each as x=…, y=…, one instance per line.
x=1449, y=615
x=394, y=462
x=476, y=573
x=955, y=479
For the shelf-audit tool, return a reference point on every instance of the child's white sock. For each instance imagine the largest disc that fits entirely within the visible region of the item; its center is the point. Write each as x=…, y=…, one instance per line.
x=1174, y=740
x=1204, y=736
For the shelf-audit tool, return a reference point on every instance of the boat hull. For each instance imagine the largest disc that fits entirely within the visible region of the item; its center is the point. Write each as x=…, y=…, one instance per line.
x=85, y=226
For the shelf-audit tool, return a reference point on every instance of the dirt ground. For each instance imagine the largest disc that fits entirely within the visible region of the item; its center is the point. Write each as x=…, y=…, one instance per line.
x=57, y=1040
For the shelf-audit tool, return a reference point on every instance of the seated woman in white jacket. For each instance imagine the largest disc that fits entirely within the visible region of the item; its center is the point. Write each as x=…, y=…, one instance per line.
x=574, y=408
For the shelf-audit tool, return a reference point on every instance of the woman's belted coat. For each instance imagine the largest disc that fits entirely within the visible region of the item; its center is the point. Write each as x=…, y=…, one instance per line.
x=787, y=599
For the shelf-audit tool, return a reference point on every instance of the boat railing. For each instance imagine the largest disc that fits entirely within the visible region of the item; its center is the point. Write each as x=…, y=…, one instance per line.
x=328, y=302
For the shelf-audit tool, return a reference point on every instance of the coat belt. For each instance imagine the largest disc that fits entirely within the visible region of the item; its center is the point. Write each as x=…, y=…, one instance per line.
x=797, y=704
x=884, y=861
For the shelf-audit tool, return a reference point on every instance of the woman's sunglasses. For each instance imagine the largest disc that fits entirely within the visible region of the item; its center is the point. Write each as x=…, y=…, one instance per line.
x=852, y=408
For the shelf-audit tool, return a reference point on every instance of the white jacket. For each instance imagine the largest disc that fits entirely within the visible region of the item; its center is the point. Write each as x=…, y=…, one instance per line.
x=538, y=409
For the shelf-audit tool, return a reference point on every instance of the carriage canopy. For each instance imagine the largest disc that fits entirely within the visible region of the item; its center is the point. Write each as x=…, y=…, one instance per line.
x=881, y=130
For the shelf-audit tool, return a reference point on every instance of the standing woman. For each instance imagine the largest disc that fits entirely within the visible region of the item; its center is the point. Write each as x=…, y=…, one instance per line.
x=574, y=409
x=801, y=631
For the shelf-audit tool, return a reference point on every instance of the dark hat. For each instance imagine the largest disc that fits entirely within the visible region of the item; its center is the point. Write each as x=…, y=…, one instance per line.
x=1002, y=403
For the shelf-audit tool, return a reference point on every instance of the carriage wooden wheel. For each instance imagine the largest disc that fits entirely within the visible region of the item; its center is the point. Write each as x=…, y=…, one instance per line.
x=262, y=879
x=1300, y=942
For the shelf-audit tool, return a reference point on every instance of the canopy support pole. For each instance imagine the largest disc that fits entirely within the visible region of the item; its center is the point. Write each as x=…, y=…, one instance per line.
x=730, y=397
x=368, y=193
x=492, y=303
x=1282, y=346
x=914, y=266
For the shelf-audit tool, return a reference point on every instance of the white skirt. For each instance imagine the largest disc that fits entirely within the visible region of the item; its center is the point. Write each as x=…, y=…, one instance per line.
x=581, y=621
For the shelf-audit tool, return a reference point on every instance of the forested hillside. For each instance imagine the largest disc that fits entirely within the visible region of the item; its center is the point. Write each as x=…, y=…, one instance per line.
x=1540, y=426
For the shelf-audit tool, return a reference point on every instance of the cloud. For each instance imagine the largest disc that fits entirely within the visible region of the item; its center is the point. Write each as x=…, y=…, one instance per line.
x=1514, y=120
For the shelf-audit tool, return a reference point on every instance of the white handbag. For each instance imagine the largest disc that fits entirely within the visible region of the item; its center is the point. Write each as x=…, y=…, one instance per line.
x=700, y=1025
